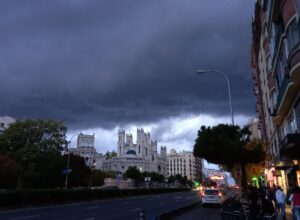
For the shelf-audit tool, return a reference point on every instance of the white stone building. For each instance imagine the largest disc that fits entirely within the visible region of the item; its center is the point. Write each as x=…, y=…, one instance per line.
x=185, y=164
x=5, y=122
x=86, y=149
x=143, y=154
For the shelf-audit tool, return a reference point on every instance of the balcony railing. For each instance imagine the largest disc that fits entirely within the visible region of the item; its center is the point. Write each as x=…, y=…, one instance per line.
x=290, y=146
x=284, y=84
x=278, y=33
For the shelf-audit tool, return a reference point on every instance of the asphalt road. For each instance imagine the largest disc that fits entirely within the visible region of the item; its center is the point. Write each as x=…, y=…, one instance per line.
x=209, y=213
x=126, y=208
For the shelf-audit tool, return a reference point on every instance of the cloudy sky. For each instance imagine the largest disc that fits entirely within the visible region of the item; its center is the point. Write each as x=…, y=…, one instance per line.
x=104, y=65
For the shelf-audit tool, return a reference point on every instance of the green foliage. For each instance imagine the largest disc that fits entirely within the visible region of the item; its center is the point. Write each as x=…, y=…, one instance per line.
x=36, y=145
x=155, y=177
x=135, y=174
x=25, y=197
x=9, y=172
x=80, y=174
x=184, y=180
x=171, y=179
x=178, y=177
x=226, y=144
x=109, y=155
x=99, y=176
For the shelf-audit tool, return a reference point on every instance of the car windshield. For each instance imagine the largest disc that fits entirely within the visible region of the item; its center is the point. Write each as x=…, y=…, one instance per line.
x=211, y=192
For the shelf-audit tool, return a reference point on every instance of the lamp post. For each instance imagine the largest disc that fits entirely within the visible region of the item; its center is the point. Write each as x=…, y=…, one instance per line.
x=200, y=72
x=68, y=162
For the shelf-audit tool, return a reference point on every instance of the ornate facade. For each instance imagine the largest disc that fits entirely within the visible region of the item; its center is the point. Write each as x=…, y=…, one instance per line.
x=143, y=154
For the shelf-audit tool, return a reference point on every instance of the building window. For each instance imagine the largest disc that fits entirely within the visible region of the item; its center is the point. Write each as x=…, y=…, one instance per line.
x=291, y=125
x=297, y=112
x=281, y=68
x=292, y=36
x=2, y=125
x=298, y=8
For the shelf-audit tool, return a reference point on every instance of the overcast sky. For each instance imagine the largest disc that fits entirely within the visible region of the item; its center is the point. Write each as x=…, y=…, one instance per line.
x=104, y=65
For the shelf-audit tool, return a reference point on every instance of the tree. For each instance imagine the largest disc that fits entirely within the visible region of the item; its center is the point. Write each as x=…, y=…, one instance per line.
x=227, y=145
x=155, y=177
x=36, y=145
x=171, y=179
x=99, y=176
x=179, y=178
x=9, y=172
x=109, y=155
x=254, y=169
x=80, y=172
x=184, y=180
x=135, y=174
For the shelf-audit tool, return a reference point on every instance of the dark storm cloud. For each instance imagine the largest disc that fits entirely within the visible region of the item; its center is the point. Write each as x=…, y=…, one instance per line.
x=108, y=63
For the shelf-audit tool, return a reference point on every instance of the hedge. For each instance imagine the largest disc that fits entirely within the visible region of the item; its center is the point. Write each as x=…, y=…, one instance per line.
x=43, y=196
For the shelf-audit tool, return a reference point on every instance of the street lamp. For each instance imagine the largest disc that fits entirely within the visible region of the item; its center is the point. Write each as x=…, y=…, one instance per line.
x=68, y=162
x=200, y=72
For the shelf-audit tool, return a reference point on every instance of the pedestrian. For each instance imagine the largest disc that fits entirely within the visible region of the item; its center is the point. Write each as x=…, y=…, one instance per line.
x=290, y=199
x=280, y=198
x=253, y=206
x=289, y=192
x=273, y=192
x=295, y=200
x=268, y=206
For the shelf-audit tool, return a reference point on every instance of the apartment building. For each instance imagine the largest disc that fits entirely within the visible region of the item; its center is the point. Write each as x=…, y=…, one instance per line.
x=185, y=164
x=276, y=73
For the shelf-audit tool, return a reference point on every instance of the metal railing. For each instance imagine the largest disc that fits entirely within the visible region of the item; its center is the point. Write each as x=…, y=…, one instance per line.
x=232, y=215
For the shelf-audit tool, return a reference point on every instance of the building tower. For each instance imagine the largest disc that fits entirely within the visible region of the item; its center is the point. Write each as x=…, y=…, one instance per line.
x=121, y=142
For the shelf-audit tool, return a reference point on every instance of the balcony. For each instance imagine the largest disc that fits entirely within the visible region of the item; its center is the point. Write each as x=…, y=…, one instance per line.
x=284, y=101
x=294, y=63
x=290, y=146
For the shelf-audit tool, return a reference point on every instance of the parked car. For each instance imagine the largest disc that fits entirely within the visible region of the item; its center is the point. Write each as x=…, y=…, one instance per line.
x=212, y=196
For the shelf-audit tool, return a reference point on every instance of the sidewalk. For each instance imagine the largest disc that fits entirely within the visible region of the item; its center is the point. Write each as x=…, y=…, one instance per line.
x=288, y=211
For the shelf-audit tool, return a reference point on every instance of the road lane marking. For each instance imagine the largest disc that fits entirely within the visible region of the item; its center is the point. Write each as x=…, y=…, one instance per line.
x=25, y=217
x=93, y=207
x=92, y=218
x=136, y=209
x=192, y=197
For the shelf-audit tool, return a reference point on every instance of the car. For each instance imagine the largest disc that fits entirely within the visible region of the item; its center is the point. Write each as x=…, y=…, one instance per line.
x=212, y=196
